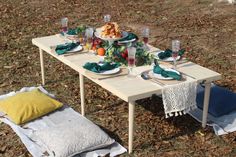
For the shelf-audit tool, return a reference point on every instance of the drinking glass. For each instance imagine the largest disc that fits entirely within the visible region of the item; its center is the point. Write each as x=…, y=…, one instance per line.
x=89, y=38
x=175, y=51
x=107, y=18
x=64, y=25
x=145, y=35
x=131, y=60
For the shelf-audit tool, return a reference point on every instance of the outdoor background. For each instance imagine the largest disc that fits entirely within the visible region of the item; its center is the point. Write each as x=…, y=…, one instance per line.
x=207, y=27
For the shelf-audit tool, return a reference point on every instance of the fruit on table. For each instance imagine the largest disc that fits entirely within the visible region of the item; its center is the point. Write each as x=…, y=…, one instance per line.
x=123, y=55
x=97, y=41
x=81, y=40
x=94, y=48
x=119, y=53
x=101, y=51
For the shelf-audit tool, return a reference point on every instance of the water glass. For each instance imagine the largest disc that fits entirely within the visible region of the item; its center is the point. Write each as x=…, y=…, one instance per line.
x=145, y=35
x=89, y=32
x=175, y=51
x=89, y=38
x=107, y=18
x=64, y=25
x=131, y=60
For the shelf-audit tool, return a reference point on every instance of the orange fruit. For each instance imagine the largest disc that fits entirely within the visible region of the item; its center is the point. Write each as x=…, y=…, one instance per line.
x=101, y=51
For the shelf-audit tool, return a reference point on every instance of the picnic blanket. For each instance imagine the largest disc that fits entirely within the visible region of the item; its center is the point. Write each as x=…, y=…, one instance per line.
x=222, y=109
x=66, y=113
x=221, y=125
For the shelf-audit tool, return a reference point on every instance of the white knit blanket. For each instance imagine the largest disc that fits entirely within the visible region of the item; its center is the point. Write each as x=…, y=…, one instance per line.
x=49, y=121
x=180, y=98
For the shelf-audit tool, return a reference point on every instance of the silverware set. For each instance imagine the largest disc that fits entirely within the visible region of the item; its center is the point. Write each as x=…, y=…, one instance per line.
x=146, y=76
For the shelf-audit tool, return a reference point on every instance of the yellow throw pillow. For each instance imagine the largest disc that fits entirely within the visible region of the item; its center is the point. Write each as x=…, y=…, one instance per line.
x=26, y=106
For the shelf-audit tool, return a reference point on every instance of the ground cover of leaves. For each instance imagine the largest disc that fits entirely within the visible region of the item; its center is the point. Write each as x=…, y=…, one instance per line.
x=207, y=27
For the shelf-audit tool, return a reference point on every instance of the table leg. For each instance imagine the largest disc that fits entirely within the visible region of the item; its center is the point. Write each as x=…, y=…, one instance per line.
x=206, y=103
x=131, y=125
x=42, y=66
x=81, y=81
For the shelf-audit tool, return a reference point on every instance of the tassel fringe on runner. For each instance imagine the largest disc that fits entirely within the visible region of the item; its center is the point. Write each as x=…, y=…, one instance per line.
x=179, y=113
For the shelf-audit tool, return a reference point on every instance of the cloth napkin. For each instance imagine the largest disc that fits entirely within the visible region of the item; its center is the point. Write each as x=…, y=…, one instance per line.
x=180, y=98
x=63, y=48
x=129, y=37
x=95, y=67
x=168, y=53
x=158, y=70
x=71, y=32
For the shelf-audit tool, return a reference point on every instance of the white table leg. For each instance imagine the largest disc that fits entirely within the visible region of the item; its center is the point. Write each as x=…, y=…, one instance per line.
x=206, y=103
x=42, y=66
x=131, y=125
x=81, y=82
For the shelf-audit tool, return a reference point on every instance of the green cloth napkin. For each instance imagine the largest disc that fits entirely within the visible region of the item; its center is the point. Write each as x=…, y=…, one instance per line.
x=95, y=67
x=168, y=53
x=71, y=32
x=63, y=48
x=129, y=37
x=158, y=70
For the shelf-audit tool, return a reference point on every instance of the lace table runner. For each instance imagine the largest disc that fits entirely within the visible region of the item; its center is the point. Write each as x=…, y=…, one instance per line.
x=180, y=98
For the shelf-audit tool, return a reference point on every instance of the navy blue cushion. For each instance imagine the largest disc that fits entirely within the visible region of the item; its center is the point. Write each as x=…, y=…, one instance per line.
x=222, y=101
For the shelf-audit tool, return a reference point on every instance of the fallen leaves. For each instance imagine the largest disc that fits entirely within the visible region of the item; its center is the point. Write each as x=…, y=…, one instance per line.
x=209, y=34
x=8, y=66
x=3, y=149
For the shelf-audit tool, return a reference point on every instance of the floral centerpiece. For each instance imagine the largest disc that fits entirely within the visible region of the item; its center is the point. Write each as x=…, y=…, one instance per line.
x=111, y=38
x=118, y=53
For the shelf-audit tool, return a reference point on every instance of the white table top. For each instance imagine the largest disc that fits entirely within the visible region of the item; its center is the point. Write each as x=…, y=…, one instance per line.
x=128, y=89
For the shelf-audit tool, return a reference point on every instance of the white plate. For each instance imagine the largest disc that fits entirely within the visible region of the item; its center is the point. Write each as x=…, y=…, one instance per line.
x=126, y=41
x=109, y=72
x=169, y=59
x=98, y=31
x=159, y=76
x=76, y=49
x=71, y=37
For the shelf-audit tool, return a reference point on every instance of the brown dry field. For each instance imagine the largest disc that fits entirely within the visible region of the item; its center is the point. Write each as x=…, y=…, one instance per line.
x=206, y=26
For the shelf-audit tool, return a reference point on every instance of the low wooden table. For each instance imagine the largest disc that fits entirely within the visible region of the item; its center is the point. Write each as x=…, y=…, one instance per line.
x=128, y=89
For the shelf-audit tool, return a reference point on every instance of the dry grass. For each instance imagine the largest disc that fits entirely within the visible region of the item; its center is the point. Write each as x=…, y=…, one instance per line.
x=207, y=27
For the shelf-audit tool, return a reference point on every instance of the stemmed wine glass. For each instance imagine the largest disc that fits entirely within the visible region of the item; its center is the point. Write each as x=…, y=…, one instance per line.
x=64, y=28
x=107, y=18
x=64, y=25
x=175, y=51
x=131, y=60
x=145, y=35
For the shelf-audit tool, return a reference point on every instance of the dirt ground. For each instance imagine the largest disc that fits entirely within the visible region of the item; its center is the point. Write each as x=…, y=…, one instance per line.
x=207, y=27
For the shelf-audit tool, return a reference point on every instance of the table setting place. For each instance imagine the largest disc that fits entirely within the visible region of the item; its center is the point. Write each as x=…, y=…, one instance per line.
x=86, y=39
x=122, y=52
x=178, y=90
x=105, y=70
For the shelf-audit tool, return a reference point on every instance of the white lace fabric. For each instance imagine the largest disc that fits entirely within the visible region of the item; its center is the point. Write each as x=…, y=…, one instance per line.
x=180, y=98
